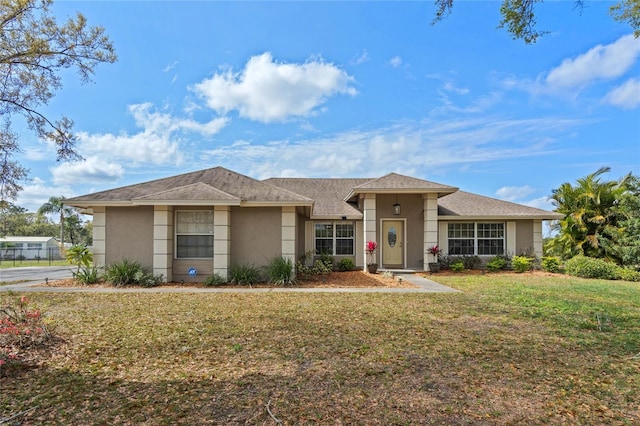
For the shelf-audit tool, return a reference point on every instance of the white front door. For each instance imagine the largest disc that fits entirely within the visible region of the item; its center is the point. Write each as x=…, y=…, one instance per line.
x=392, y=244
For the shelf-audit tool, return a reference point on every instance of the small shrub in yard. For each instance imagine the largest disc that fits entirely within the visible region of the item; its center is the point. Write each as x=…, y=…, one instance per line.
x=497, y=263
x=87, y=275
x=521, y=264
x=328, y=260
x=79, y=255
x=346, y=264
x=280, y=271
x=244, y=274
x=588, y=267
x=214, y=280
x=627, y=274
x=21, y=328
x=468, y=261
x=129, y=272
x=550, y=264
x=457, y=266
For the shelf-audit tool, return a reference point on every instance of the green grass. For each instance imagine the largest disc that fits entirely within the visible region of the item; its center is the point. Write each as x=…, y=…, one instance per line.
x=4, y=264
x=507, y=350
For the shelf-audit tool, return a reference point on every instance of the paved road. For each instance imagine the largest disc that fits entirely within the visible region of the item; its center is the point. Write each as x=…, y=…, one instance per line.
x=33, y=274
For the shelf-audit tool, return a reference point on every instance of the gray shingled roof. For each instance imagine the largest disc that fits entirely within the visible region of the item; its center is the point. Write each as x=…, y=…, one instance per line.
x=222, y=180
x=466, y=204
x=401, y=183
x=328, y=194
x=195, y=192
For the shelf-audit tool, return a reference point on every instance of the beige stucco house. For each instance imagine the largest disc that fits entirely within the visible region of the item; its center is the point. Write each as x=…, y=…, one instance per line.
x=208, y=220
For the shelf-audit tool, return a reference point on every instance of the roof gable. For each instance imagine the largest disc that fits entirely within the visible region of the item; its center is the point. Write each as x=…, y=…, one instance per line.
x=215, y=182
x=397, y=183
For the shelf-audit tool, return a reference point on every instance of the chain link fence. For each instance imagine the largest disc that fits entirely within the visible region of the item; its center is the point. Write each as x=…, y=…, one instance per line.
x=16, y=256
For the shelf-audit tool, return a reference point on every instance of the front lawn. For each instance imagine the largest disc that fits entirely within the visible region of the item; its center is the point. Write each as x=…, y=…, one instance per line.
x=515, y=349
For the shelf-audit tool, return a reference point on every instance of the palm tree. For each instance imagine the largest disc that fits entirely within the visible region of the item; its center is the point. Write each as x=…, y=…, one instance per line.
x=55, y=205
x=589, y=208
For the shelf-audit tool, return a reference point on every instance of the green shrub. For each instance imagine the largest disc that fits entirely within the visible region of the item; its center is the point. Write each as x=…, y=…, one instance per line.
x=321, y=268
x=497, y=263
x=627, y=274
x=521, y=263
x=551, y=264
x=129, y=272
x=79, y=255
x=280, y=271
x=468, y=261
x=328, y=260
x=244, y=274
x=346, y=264
x=588, y=267
x=87, y=275
x=214, y=280
x=457, y=266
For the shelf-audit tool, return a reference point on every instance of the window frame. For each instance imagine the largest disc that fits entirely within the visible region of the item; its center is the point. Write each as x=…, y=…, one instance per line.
x=178, y=234
x=334, y=237
x=499, y=228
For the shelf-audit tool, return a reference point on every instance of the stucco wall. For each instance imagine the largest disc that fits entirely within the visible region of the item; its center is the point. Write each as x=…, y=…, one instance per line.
x=411, y=207
x=129, y=235
x=256, y=235
x=524, y=237
x=204, y=268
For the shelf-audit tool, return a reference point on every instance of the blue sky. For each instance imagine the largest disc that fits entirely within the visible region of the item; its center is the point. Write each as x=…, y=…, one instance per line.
x=347, y=89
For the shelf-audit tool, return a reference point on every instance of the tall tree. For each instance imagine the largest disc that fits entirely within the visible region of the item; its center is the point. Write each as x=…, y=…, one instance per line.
x=34, y=49
x=55, y=205
x=519, y=16
x=591, y=210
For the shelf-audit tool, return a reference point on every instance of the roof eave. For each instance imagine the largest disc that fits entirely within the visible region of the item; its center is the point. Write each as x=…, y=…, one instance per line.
x=439, y=191
x=499, y=217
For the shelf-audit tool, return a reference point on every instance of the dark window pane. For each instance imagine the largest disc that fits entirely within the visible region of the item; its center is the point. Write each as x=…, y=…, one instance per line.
x=195, y=246
x=460, y=246
x=324, y=246
x=493, y=247
x=344, y=247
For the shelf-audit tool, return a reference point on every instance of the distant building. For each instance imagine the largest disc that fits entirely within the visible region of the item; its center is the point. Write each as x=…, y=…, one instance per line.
x=29, y=248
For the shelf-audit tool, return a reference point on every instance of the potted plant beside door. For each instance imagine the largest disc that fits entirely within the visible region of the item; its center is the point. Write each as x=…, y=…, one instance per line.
x=435, y=265
x=372, y=266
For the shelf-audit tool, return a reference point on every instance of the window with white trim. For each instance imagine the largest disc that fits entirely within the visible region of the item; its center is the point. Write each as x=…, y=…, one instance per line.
x=335, y=238
x=194, y=234
x=476, y=238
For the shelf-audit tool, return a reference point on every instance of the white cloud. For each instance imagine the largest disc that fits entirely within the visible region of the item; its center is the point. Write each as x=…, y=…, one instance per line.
x=416, y=148
x=599, y=63
x=512, y=193
x=396, y=61
x=157, y=143
x=170, y=66
x=450, y=87
x=360, y=58
x=91, y=170
x=625, y=96
x=540, y=203
x=269, y=91
x=36, y=193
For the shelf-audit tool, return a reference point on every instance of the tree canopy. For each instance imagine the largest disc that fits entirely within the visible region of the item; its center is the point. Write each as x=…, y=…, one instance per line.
x=519, y=16
x=34, y=49
x=601, y=218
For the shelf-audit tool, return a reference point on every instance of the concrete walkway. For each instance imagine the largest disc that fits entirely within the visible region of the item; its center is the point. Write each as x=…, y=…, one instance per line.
x=424, y=286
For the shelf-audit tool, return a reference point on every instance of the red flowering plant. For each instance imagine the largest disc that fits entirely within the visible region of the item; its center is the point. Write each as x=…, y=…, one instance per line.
x=435, y=251
x=21, y=328
x=371, y=249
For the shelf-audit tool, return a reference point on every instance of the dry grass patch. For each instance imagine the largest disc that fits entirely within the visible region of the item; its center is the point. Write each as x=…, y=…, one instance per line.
x=503, y=352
